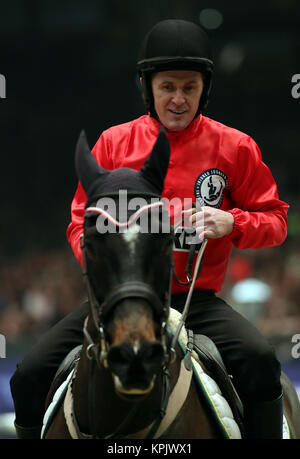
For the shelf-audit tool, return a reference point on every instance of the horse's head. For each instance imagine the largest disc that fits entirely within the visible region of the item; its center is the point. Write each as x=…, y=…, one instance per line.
x=127, y=253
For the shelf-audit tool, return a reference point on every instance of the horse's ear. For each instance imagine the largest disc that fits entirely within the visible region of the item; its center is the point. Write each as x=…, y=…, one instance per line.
x=156, y=166
x=87, y=168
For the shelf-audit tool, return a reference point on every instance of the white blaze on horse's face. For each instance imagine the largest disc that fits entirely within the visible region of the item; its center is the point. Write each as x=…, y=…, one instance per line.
x=131, y=236
x=136, y=347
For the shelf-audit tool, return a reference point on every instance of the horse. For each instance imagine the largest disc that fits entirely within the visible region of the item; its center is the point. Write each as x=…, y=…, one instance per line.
x=132, y=377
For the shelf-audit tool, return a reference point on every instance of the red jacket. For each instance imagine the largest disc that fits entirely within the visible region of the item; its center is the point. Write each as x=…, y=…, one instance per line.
x=211, y=161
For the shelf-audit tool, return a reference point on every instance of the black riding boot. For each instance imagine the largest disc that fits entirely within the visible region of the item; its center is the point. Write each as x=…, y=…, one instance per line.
x=263, y=420
x=28, y=432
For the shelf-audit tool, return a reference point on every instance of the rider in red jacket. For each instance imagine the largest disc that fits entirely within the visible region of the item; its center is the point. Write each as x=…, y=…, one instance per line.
x=220, y=170
x=206, y=153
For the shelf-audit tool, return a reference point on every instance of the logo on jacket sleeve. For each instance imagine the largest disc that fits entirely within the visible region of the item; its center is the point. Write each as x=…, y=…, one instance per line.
x=209, y=187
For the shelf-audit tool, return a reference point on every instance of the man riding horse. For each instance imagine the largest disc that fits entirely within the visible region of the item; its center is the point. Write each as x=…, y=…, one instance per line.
x=176, y=68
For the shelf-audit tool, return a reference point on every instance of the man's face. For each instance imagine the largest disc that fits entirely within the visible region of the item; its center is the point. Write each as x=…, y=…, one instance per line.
x=176, y=97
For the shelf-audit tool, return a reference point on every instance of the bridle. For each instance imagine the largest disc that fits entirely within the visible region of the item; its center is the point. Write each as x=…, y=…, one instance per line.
x=128, y=290
x=97, y=352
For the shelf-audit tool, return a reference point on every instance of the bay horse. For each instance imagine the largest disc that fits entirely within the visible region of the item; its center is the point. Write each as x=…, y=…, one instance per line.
x=131, y=379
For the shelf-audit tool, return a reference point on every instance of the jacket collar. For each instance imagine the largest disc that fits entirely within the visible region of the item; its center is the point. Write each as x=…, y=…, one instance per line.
x=155, y=125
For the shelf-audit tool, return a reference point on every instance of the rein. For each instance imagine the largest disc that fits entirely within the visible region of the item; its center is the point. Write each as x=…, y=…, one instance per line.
x=189, y=296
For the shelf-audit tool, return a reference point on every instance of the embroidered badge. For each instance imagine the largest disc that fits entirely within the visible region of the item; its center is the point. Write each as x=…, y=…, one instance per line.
x=209, y=187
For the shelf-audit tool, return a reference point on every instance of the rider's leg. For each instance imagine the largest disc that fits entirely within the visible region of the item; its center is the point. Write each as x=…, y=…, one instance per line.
x=32, y=379
x=264, y=419
x=248, y=357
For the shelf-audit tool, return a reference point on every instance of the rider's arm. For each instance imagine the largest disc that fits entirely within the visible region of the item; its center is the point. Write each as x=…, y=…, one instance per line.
x=257, y=218
x=260, y=218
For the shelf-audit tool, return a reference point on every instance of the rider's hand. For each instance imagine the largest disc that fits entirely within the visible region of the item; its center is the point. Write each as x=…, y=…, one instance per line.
x=210, y=223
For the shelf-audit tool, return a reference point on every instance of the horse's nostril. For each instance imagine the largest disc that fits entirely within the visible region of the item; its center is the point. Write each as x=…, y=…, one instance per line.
x=119, y=358
x=151, y=355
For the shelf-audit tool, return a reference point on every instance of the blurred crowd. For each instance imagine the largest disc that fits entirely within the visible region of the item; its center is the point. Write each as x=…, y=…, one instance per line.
x=36, y=291
x=39, y=289
x=264, y=286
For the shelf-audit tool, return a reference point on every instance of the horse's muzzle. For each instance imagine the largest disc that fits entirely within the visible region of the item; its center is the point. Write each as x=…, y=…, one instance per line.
x=135, y=368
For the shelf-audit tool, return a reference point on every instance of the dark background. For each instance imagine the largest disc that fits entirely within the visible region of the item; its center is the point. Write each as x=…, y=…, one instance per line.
x=71, y=65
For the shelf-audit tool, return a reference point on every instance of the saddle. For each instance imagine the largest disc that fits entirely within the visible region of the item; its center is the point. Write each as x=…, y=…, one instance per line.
x=211, y=358
x=65, y=368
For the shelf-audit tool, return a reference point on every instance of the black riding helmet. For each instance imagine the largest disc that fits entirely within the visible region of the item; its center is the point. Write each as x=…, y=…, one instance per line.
x=175, y=44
